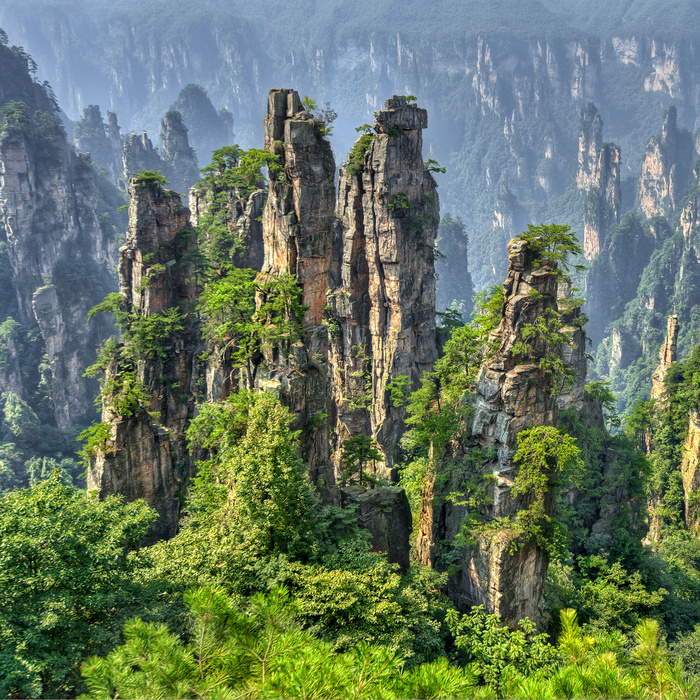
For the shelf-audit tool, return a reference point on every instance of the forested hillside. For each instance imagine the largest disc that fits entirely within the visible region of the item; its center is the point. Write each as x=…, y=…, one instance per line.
x=396, y=368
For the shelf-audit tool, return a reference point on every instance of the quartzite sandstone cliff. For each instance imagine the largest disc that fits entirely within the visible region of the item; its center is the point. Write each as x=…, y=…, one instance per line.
x=512, y=393
x=147, y=456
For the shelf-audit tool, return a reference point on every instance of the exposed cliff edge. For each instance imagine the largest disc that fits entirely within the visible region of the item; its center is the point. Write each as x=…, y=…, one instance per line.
x=598, y=178
x=666, y=168
x=512, y=393
x=146, y=455
x=60, y=249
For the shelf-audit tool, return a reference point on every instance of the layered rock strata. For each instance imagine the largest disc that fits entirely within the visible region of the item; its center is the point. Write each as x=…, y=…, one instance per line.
x=667, y=356
x=60, y=253
x=666, y=168
x=383, y=301
x=512, y=393
x=598, y=178
x=147, y=456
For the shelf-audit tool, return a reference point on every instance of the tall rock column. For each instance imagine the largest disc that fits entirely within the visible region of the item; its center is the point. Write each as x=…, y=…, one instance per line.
x=690, y=469
x=667, y=356
x=401, y=217
x=383, y=285
x=598, y=178
x=666, y=168
x=512, y=394
x=177, y=153
x=147, y=456
x=298, y=233
x=61, y=256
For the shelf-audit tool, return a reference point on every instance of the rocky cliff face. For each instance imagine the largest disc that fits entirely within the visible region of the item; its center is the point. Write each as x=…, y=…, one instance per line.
x=384, y=301
x=90, y=135
x=147, y=456
x=138, y=154
x=183, y=169
x=369, y=292
x=452, y=268
x=298, y=233
x=667, y=356
x=598, y=178
x=666, y=168
x=690, y=469
x=614, y=274
x=512, y=394
x=60, y=253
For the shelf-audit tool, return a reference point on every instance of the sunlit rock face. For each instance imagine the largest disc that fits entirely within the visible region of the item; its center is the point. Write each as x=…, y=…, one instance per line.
x=512, y=393
x=147, y=456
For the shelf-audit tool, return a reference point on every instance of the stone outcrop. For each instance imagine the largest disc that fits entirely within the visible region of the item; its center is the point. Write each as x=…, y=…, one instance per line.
x=183, y=170
x=90, y=135
x=382, y=301
x=666, y=168
x=667, y=356
x=138, y=154
x=386, y=514
x=598, y=178
x=367, y=285
x=452, y=268
x=60, y=254
x=209, y=128
x=298, y=233
x=690, y=469
x=512, y=394
x=147, y=456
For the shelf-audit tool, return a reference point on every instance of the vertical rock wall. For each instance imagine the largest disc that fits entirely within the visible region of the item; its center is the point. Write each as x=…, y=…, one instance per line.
x=667, y=356
x=147, y=456
x=666, y=168
x=690, y=469
x=598, y=177
x=512, y=394
x=298, y=233
x=178, y=154
x=400, y=214
x=61, y=257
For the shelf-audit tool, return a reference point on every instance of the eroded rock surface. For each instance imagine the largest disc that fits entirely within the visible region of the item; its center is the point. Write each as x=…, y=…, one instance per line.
x=667, y=356
x=512, y=393
x=386, y=514
x=147, y=456
x=690, y=469
x=598, y=177
x=298, y=233
x=666, y=168
x=384, y=299
x=60, y=254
